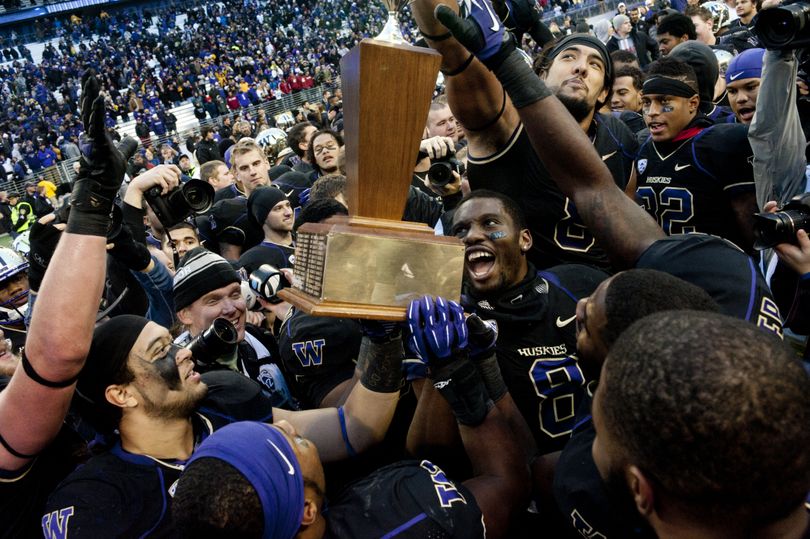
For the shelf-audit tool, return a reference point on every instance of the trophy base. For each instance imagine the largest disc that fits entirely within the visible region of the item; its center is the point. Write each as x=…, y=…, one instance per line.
x=317, y=307
x=371, y=268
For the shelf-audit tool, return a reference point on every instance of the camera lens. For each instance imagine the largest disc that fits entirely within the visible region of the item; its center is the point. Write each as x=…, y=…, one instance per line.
x=219, y=340
x=783, y=27
x=440, y=173
x=774, y=228
x=225, y=331
x=199, y=196
x=266, y=281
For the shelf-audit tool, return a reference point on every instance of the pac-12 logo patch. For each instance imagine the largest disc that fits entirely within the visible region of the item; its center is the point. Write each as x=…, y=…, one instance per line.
x=641, y=165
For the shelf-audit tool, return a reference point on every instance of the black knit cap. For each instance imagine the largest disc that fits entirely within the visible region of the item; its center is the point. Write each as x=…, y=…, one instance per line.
x=261, y=201
x=201, y=272
x=112, y=342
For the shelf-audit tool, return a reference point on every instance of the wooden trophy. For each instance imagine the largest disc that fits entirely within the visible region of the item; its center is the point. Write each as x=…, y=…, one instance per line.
x=372, y=264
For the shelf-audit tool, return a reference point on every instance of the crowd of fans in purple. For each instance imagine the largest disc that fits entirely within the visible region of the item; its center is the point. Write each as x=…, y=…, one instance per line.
x=145, y=73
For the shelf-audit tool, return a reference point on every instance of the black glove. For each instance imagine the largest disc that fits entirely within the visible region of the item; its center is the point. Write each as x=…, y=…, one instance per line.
x=129, y=252
x=102, y=166
x=483, y=337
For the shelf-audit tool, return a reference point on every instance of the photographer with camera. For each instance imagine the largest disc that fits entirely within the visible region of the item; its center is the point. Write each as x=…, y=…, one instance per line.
x=206, y=287
x=789, y=272
x=437, y=170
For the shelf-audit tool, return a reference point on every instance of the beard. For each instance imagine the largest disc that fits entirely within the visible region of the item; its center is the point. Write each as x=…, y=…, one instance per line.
x=578, y=108
x=179, y=409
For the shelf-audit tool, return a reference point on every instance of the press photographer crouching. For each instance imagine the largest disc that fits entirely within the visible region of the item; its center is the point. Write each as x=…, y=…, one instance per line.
x=206, y=287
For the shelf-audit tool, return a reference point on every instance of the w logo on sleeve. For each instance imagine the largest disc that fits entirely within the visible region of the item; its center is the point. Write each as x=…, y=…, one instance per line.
x=309, y=353
x=55, y=524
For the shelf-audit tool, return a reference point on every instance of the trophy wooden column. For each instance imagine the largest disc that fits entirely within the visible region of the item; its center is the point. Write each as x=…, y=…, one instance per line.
x=373, y=264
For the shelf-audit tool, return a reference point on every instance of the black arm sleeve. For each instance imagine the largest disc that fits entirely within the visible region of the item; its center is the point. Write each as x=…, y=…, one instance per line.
x=420, y=208
x=133, y=219
x=540, y=33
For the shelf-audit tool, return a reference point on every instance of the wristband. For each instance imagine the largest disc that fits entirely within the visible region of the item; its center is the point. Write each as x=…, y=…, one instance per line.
x=88, y=224
x=461, y=386
x=520, y=82
x=381, y=365
x=491, y=375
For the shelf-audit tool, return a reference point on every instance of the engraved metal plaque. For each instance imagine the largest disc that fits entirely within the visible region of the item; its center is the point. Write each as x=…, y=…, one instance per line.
x=340, y=265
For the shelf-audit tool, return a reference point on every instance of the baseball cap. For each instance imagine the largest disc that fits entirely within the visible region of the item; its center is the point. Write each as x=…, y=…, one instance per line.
x=229, y=220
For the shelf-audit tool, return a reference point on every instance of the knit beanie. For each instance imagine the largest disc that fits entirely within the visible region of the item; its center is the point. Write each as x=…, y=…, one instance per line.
x=261, y=201
x=619, y=20
x=201, y=272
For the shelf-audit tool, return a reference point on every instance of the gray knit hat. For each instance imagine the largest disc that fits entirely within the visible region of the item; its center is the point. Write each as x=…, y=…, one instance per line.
x=200, y=272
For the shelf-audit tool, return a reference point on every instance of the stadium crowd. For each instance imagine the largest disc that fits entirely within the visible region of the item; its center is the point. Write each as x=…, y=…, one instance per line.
x=627, y=356
x=149, y=67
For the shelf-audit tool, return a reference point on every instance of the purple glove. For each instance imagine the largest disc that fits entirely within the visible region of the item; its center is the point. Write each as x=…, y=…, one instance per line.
x=379, y=331
x=479, y=29
x=437, y=328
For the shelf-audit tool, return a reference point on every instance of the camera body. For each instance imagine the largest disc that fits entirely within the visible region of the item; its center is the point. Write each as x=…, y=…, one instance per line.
x=774, y=228
x=192, y=197
x=441, y=170
x=784, y=27
x=219, y=340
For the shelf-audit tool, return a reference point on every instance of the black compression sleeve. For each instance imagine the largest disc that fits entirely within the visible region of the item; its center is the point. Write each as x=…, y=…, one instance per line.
x=520, y=82
x=381, y=365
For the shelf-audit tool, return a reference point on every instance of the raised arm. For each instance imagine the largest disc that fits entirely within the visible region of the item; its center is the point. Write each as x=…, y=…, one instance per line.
x=779, y=146
x=475, y=96
x=33, y=406
x=623, y=229
x=363, y=420
x=501, y=475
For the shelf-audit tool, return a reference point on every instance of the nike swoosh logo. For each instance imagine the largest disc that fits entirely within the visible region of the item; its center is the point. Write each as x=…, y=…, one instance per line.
x=608, y=156
x=681, y=167
x=563, y=323
x=735, y=77
x=496, y=22
x=291, y=470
